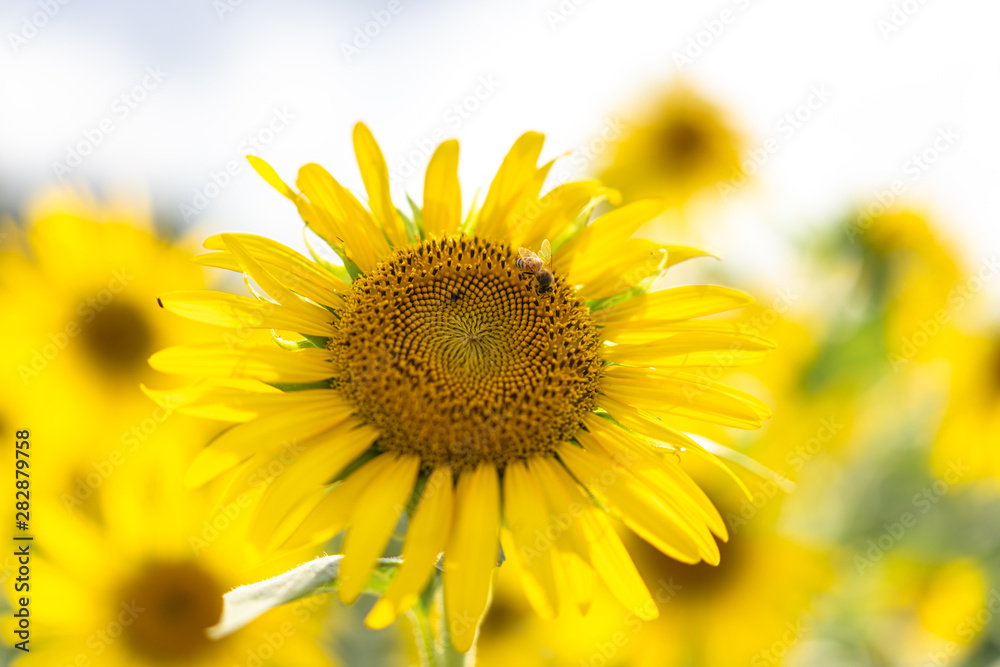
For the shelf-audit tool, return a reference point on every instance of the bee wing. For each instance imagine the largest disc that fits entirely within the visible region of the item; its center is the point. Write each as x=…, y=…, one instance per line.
x=545, y=253
x=524, y=252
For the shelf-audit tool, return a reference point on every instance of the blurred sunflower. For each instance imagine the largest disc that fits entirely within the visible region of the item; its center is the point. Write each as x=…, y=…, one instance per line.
x=493, y=400
x=912, y=278
x=684, y=144
x=137, y=582
x=972, y=419
x=78, y=299
x=756, y=600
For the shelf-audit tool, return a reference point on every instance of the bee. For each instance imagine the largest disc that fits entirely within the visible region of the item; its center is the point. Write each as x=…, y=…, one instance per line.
x=539, y=264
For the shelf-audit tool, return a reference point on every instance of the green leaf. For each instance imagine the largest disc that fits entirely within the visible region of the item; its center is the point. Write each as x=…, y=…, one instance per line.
x=242, y=605
x=245, y=603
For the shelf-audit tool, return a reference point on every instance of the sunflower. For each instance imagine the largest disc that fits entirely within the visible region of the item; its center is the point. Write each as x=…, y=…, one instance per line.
x=431, y=374
x=136, y=582
x=972, y=419
x=78, y=308
x=683, y=144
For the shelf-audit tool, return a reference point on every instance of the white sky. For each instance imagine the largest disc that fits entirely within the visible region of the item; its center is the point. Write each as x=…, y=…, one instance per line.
x=226, y=77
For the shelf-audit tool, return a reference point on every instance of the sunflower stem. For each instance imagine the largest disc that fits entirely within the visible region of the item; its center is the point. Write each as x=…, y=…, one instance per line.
x=453, y=658
x=424, y=632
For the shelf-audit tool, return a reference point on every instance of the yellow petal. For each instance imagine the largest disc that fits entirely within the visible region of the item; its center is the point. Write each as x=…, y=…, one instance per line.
x=576, y=580
x=271, y=176
x=375, y=516
x=677, y=303
x=562, y=519
x=646, y=331
x=661, y=471
x=271, y=432
x=442, y=210
x=518, y=213
x=634, y=419
x=526, y=519
x=645, y=261
x=589, y=251
x=337, y=216
x=612, y=563
x=555, y=212
x=689, y=349
x=664, y=494
x=214, y=401
x=286, y=264
x=471, y=554
x=274, y=287
x=640, y=509
x=515, y=173
x=325, y=514
x=314, y=463
x=663, y=393
x=426, y=536
x=267, y=364
x=232, y=310
x=376, y=178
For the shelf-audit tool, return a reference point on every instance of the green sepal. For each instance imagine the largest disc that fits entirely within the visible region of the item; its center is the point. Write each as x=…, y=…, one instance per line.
x=342, y=272
x=308, y=341
x=300, y=386
x=414, y=225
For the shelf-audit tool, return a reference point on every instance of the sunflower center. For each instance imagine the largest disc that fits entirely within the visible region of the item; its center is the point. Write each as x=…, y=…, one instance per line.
x=681, y=142
x=171, y=604
x=119, y=337
x=457, y=356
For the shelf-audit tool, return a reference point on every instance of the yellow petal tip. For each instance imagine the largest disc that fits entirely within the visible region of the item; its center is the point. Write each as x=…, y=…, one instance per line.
x=381, y=615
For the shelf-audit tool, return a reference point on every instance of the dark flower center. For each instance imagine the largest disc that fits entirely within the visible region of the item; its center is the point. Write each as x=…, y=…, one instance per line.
x=458, y=356
x=118, y=338
x=169, y=606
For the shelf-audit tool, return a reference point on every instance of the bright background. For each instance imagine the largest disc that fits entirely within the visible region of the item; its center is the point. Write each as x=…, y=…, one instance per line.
x=288, y=81
x=563, y=68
